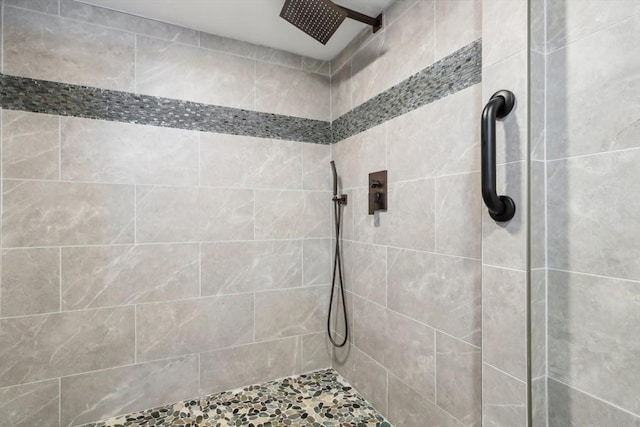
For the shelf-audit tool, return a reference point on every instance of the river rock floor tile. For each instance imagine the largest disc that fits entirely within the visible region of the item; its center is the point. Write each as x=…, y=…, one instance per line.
x=319, y=399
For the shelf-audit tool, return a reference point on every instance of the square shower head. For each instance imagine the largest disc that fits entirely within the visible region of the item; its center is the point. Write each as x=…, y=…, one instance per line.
x=318, y=18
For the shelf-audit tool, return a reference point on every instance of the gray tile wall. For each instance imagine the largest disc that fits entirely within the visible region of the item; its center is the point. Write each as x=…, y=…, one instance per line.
x=505, y=245
x=586, y=165
x=123, y=261
x=72, y=42
x=413, y=274
x=141, y=264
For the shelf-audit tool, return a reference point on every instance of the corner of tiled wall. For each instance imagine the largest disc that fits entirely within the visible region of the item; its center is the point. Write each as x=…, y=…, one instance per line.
x=411, y=268
x=587, y=164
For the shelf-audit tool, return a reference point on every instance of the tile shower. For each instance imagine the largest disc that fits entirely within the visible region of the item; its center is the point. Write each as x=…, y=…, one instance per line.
x=167, y=233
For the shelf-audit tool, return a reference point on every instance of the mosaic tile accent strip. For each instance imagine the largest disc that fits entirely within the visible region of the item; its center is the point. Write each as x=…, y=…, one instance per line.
x=318, y=399
x=40, y=96
x=456, y=72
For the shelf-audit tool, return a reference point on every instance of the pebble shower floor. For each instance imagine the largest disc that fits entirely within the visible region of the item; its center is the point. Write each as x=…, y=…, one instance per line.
x=319, y=399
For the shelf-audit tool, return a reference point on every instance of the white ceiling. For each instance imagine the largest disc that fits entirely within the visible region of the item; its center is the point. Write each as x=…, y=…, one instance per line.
x=253, y=21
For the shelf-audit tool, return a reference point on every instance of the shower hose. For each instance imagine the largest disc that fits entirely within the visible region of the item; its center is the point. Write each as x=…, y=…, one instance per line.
x=337, y=274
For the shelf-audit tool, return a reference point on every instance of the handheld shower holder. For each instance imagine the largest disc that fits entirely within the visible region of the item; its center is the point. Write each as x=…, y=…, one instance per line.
x=341, y=199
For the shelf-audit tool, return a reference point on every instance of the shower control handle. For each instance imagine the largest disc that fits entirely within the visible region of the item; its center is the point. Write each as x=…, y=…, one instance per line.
x=377, y=192
x=501, y=208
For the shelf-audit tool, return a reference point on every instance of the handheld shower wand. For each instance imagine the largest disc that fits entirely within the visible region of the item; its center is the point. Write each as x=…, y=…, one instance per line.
x=335, y=178
x=338, y=202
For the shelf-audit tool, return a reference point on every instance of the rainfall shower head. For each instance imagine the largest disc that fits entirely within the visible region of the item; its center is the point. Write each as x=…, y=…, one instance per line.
x=321, y=18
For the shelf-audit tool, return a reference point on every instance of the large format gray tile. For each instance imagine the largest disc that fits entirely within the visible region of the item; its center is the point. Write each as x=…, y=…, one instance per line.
x=315, y=166
x=30, y=145
x=96, y=396
x=235, y=367
x=594, y=325
x=504, y=399
x=30, y=405
x=459, y=379
x=458, y=215
x=175, y=328
x=283, y=90
x=403, y=346
x=42, y=213
x=341, y=91
x=289, y=312
x=409, y=221
x=30, y=281
x=538, y=219
x=503, y=320
x=233, y=267
x=569, y=407
x=606, y=63
x=438, y=290
x=399, y=51
x=227, y=45
x=504, y=29
x=367, y=376
x=247, y=162
x=539, y=402
x=511, y=131
x=364, y=270
x=174, y=70
x=171, y=214
x=45, y=6
x=437, y=139
x=538, y=309
x=593, y=205
x=408, y=408
x=458, y=23
x=103, y=276
x=278, y=57
x=292, y=214
x=45, y=346
x=316, y=351
x=538, y=96
x=48, y=47
x=571, y=20
x=316, y=66
x=317, y=261
x=124, y=21
x=123, y=153
x=357, y=156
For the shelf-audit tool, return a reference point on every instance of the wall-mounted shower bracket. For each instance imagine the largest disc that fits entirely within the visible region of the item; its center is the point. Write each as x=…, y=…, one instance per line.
x=376, y=22
x=377, y=192
x=341, y=199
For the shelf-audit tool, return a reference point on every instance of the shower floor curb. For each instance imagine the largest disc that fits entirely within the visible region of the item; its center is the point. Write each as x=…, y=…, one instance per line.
x=320, y=398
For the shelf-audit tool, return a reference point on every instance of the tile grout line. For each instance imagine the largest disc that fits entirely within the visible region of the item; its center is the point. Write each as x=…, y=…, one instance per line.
x=505, y=373
x=546, y=215
x=435, y=366
x=135, y=334
x=60, y=278
x=60, y=401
